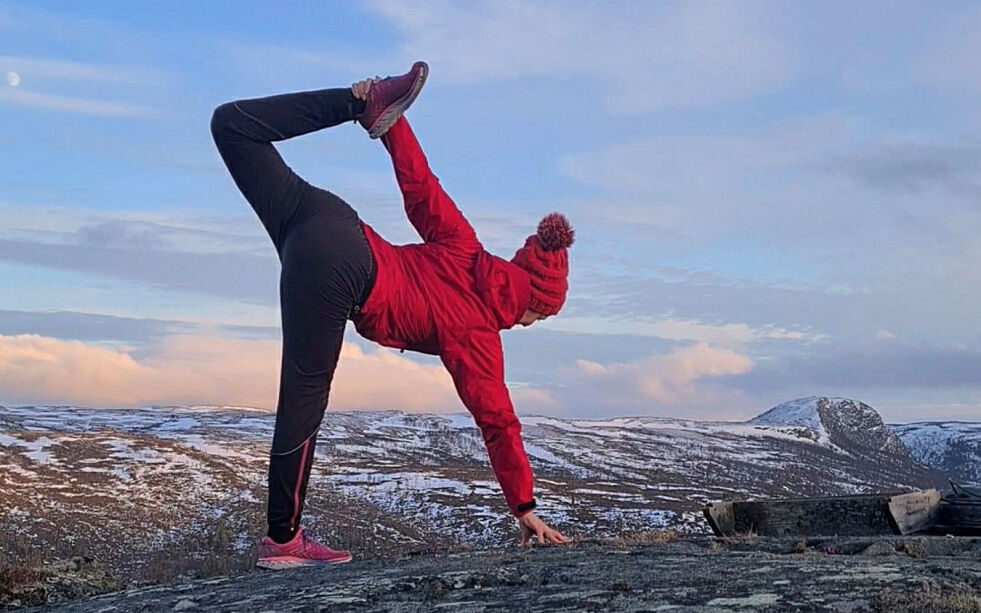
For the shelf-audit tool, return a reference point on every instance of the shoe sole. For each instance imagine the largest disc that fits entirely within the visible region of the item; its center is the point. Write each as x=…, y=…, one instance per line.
x=284, y=563
x=390, y=115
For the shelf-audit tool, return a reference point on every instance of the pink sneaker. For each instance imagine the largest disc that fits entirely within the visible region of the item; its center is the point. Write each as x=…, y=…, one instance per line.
x=389, y=97
x=301, y=551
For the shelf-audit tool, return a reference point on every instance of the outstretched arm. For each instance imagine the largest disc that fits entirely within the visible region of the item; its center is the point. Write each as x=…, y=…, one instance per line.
x=430, y=209
x=476, y=363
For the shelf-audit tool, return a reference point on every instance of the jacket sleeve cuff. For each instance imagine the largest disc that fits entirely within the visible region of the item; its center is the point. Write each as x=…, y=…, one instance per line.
x=525, y=508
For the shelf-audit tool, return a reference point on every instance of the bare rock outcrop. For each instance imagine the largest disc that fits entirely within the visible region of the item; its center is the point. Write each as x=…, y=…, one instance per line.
x=894, y=574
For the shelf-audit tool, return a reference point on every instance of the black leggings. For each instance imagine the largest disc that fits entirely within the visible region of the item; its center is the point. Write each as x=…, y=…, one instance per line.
x=327, y=271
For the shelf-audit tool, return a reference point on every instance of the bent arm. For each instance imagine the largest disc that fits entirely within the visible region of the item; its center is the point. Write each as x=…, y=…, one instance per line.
x=430, y=209
x=477, y=368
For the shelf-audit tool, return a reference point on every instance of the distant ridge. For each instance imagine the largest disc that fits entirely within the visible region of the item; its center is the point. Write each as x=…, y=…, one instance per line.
x=849, y=425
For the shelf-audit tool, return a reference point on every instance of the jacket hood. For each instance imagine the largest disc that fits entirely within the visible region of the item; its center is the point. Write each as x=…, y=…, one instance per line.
x=503, y=287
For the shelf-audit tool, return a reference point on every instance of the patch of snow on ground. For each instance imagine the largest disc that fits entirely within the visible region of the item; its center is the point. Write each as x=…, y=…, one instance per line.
x=180, y=423
x=36, y=448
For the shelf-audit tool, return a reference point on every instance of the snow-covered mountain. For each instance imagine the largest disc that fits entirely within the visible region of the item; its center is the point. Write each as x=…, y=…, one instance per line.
x=158, y=479
x=951, y=446
x=849, y=425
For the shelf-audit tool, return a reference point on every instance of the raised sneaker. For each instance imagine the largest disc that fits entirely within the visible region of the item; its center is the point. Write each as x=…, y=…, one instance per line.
x=389, y=97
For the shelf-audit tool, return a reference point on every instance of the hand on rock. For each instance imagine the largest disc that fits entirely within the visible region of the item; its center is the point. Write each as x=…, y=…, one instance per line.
x=532, y=526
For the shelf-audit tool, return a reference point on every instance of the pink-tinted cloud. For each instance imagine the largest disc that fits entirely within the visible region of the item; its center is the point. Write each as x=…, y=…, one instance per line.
x=383, y=379
x=186, y=369
x=659, y=384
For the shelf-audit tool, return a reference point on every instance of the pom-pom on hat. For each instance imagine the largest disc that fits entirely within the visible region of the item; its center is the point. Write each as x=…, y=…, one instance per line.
x=546, y=260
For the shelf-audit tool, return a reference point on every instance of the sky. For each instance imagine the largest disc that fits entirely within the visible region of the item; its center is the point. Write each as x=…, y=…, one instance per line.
x=771, y=200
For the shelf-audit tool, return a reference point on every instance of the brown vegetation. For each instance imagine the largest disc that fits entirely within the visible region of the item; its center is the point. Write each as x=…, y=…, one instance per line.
x=960, y=598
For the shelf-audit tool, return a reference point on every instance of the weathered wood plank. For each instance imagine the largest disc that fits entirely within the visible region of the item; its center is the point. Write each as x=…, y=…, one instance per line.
x=831, y=516
x=958, y=517
x=915, y=511
x=851, y=515
x=719, y=516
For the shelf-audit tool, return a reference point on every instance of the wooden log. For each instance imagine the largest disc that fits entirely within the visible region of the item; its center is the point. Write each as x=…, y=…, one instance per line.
x=914, y=512
x=960, y=517
x=719, y=516
x=831, y=516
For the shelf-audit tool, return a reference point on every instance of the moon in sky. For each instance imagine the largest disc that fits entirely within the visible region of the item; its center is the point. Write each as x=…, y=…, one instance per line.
x=13, y=79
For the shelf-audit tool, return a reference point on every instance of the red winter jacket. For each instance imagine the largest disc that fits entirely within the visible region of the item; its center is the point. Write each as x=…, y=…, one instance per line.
x=449, y=297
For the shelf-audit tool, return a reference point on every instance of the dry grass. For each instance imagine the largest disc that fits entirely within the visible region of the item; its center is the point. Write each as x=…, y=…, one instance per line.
x=742, y=536
x=642, y=539
x=18, y=549
x=800, y=546
x=716, y=546
x=198, y=556
x=14, y=578
x=957, y=599
x=60, y=581
x=915, y=549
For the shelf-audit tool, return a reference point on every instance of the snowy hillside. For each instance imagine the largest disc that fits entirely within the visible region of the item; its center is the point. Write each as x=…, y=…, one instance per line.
x=87, y=479
x=846, y=424
x=951, y=446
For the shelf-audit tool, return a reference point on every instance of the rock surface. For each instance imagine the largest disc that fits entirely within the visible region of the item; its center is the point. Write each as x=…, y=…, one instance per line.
x=893, y=574
x=57, y=582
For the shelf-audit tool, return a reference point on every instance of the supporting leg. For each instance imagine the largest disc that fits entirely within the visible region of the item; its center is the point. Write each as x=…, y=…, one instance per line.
x=315, y=301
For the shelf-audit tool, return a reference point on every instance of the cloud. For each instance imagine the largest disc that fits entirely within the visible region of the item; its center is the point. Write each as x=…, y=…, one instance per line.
x=790, y=181
x=37, y=71
x=120, y=234
x=682, y=329
x=717, y=311
x=182, y=229
x=884, y=363
x=527, y=399
x=74, y=325
x=186, y=369
x=273, y=64
x=646, y=56
x=224, y=256
x=904, y=412
x=62, y=70
x=915, y=166
x=949, y=63
x=232, y=275
x=804, y=220
x=72, y=104
x=659, y=384
x=676, y=168
x=383, y=379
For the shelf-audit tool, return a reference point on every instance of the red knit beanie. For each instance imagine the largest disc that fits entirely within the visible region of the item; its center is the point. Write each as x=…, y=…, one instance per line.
x=545, y=259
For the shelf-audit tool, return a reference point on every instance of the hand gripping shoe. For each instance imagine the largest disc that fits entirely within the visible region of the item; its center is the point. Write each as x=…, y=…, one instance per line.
x=389, y=97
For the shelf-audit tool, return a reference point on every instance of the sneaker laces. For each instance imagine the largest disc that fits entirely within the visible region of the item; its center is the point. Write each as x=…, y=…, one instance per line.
x=312, y=546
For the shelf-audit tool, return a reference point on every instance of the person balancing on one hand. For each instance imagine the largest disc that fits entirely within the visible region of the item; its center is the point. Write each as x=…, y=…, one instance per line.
x=446, y=296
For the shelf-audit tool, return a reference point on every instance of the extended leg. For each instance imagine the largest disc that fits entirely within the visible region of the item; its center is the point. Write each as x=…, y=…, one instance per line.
x=244, y=131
